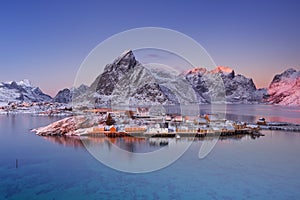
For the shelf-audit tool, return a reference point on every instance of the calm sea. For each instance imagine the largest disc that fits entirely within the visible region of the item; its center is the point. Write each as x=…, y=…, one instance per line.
x=33, y=167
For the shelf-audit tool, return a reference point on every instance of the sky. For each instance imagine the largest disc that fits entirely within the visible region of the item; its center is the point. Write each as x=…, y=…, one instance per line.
x=46, y=41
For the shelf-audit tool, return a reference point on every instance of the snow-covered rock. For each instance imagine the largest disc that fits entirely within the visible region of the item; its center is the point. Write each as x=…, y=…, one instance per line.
x=285, y=88
x=128, y=80
x=21, y=91
x=69, y=125
x=237, y=88
x=137, y=86
x=123, y=80
x=113, y=73
x=63, y=96
x=66, y=95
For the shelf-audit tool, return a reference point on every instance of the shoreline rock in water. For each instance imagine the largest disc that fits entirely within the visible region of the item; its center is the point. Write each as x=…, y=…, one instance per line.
x=69, y=125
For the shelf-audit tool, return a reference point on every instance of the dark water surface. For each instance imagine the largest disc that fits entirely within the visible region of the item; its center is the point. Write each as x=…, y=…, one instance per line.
x=61, y=168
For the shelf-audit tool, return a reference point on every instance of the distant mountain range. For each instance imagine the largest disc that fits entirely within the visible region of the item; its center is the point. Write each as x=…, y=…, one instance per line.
x=128, y=81
x=21, y=91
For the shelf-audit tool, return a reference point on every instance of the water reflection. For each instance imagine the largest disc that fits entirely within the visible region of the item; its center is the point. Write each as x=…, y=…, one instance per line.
x=250, y=113
x=132, y=144
x=68, y=141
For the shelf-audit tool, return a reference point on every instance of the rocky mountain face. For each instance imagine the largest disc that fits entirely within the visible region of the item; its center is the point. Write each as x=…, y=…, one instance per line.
x=138, y=83
x=105, y=82
x=129, y=82
x=66, y=95
x=237, y=88
x=137, y=86
x=126, y=81
x=285, y=88
x=21, y=91
x=63, y=96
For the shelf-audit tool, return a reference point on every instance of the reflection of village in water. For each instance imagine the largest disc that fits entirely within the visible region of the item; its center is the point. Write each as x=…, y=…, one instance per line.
x=132, y=144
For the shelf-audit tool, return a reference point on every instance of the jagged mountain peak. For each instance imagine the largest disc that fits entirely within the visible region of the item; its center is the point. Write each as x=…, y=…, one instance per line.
x=290, y=73
x=200, y=71
x=285, y=88
x=127, y=54
x=197, y=70
x=21, y=91
x=237, y=88
x=66, y=95
x=222, y=69
x=122, y=63
x=25, y=82
x=113, y=73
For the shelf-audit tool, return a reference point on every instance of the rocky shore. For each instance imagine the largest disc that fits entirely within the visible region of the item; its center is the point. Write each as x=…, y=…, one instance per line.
x=74, y=125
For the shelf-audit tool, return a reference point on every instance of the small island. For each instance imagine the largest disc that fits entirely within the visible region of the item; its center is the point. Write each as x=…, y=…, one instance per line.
x=142, y=123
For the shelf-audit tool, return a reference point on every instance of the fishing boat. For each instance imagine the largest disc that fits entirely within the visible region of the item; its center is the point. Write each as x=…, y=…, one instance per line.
x=261, y=121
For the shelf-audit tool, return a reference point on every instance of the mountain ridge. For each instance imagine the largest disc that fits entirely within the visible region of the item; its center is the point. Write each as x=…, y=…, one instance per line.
x=21, y=91
x=159, y=86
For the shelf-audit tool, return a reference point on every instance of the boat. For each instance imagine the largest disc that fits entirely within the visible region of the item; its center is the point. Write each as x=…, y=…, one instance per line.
x=177, y=136
x=261, y=121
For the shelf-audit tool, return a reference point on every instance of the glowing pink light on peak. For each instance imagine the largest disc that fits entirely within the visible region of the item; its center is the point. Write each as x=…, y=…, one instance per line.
x=201, y=70
x=196, y=70
x=222, y=69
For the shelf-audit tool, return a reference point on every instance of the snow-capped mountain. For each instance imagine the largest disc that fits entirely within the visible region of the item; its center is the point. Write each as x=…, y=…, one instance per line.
x=105, y=82
x=66, y=95
x=285, y=88
x=21, y=91
x=237, y=88
x=63, y=96
x=128, y=81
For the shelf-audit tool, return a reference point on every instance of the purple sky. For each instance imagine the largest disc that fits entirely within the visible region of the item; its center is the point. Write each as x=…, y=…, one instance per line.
x=47, y=41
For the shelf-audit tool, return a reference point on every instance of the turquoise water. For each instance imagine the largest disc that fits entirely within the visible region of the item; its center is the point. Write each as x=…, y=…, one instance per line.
x=61, y=168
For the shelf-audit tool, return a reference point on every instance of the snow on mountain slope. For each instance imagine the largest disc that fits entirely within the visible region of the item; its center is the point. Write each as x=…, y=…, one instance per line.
x=285, y=88
x=122, y=81
x=128, y=80
x=152, y=85
x=21, y=91
x=173, y=85
x=237, y=88
x=105, y=82
x=66, y=95
x=138, y=86
x=63, y=96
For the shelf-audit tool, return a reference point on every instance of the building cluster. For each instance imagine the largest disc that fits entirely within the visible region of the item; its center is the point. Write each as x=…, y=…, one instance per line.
x=143, y=121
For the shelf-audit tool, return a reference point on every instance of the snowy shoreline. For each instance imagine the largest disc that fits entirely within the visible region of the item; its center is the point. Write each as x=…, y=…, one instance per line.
x=83, y=124
x=37, y=109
